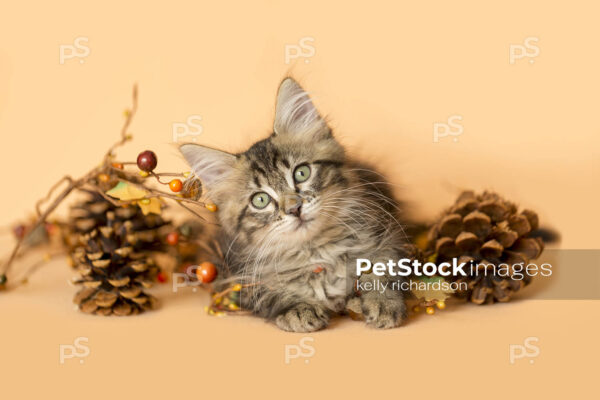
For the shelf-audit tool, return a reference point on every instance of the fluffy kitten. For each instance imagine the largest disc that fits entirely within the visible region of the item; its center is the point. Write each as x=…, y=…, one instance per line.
x=296, y=213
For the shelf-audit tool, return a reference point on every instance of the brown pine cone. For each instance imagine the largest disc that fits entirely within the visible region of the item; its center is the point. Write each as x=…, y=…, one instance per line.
x=488, y=231
x=112, y=256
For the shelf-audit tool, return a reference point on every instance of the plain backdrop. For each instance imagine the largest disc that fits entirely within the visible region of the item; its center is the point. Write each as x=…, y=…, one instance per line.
x=384, y=73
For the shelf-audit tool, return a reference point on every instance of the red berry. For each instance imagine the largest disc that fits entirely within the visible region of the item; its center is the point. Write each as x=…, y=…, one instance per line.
x=206, y=272
x=162, y=278
x=147, y=161
x=173, y=238
x=19, y=231
x=176, y=185
x=51, y=228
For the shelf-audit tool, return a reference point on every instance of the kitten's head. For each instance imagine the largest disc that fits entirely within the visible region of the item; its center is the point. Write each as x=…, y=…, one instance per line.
x=283, y=188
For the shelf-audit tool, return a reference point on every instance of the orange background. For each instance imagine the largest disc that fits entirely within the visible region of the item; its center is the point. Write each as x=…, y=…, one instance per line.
x=383, y=73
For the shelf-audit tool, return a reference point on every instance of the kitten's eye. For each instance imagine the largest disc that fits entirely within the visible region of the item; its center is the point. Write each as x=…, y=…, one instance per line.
x=261, y=200
x=301, y=173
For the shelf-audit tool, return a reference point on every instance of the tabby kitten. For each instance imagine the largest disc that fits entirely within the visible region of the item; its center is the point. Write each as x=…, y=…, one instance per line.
x=296, y=213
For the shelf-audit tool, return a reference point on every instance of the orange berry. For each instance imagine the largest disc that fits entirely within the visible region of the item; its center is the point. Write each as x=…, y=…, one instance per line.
x=103, y=178
x=211, y=207
x=173, y=238
x=176, y=185
x=206, y=272
x=117, y=165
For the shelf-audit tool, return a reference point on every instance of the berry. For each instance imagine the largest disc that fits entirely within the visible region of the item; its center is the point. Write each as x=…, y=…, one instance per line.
x=103, y=178
x=162, y=278
x=117, y=165
x=51, y=228
x=206, y=272
x=146, y=161
x=176, y=185
x=173, y=238
x=19, y=231
x=211, y=207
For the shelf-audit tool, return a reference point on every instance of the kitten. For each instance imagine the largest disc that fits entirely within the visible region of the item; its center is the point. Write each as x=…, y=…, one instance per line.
x=295, y=214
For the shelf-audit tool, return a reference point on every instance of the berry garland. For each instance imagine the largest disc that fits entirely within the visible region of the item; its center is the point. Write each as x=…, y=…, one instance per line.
x=130, y=189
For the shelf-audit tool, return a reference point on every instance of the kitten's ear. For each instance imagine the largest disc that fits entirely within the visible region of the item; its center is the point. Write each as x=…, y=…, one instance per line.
x=208, y=164
x=296, y=114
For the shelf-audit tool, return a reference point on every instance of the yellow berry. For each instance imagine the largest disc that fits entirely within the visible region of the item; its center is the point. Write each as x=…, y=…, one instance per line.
x=144, y=174
x=186, y=174
x=430, y=310
x=441, y=305
x=233, y=306
x=237, y=287
x=145, y=201
x=211, y=207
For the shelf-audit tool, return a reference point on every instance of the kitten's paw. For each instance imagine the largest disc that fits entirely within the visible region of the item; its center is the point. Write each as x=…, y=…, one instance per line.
x=303, y=318
x=383, y=313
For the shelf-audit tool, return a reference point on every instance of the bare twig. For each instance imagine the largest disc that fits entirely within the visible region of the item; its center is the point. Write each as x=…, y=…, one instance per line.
x=52, y=189
x=40, y=221
x=128, y=118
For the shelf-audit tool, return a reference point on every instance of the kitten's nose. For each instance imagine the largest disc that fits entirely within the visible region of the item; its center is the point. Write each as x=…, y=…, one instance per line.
x=292, y=204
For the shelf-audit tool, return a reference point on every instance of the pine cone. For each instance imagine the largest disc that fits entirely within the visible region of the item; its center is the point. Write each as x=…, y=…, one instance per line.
x=112, y=256
x=486, y=230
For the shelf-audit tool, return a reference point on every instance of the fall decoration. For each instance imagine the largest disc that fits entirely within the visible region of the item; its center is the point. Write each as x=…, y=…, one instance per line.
x=492, y=235
x=429, y=295
x=147, y=161
x=176, y=185
x=227, y=301
x=206, y=272
x=114, y=256
x=113, y=233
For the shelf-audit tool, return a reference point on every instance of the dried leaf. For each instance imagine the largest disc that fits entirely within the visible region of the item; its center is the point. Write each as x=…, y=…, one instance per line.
x=125, y=191
x=150, y=206
x=425, y=292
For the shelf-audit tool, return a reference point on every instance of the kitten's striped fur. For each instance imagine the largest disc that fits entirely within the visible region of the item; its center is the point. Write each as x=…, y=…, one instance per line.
x=301, y=249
